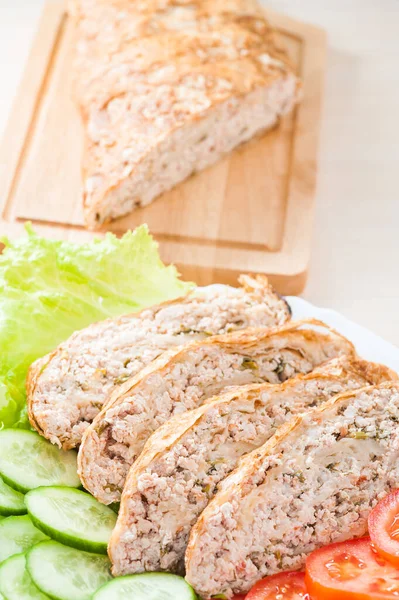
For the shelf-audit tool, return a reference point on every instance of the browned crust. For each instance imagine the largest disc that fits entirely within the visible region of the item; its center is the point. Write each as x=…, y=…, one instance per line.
x=374, y=373
x=32, y=377
x=236, y=483
x=144, y=27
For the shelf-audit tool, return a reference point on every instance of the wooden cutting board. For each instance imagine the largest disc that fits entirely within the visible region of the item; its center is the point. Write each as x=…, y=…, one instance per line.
x=252, y=212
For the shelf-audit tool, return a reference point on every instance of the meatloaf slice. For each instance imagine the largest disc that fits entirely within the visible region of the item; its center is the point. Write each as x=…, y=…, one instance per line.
x=182, y=380
x=167, y=89
x=312, y=484
x=67, y=388
x=183, y=462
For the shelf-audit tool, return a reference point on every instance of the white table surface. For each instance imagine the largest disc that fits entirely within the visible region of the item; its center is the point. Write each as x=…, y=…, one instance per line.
x=356, y=237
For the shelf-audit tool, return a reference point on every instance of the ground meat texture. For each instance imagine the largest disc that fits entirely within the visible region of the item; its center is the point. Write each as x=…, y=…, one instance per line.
x=68, y=388
x=312, y=484
x=182, y=380
x=184, y=460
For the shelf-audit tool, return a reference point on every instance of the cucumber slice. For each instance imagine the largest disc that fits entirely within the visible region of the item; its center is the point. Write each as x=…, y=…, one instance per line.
x=28, y=461
x=115, y=507
x=15, y=581
x=72, y=517
x=18, y=534
x=11, y=501
x=146, y=586
x=64, y=573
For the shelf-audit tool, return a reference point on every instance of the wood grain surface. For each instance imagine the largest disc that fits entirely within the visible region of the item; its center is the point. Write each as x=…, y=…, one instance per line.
x=251, y=212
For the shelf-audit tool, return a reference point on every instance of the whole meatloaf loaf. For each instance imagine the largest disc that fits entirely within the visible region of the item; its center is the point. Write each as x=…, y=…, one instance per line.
x=67, y=388
x=183, y=379
x=312, y=484
x=166, y=88
x=183, y=462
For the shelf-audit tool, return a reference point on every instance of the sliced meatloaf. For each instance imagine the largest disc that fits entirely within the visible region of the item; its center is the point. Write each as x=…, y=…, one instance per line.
x=182, y=380
x=312, y=484
x=166, y=89
x=67, y=388
x=183, y=462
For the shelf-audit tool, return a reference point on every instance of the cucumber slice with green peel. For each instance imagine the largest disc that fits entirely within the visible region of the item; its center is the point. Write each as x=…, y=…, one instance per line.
x=15, y=581
x=72, y=517
x=65, y=573
x=146, y=586
x=11, y=501
x=28, y=461
x=115, y=507
x=18, y=534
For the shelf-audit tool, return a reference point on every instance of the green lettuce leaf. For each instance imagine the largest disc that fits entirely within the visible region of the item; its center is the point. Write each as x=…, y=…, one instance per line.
x=49, y=289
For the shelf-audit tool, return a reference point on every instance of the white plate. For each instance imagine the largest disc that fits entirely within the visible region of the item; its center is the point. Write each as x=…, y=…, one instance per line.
x=368, y=345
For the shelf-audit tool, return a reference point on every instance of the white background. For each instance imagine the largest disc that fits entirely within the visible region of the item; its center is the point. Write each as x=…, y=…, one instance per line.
x=355, y=265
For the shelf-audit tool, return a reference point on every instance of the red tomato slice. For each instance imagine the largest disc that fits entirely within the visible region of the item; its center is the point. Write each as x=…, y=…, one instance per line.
x=351, y=571
x=384, y=527
x=283, y=586
x=239, y=597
